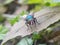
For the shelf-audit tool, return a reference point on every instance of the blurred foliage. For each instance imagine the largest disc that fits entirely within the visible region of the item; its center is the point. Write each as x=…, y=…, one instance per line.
x=8, y=1
x=41, y=2
x=25, y=41
x=2, y=36
x=37, y=8
x=44, y=2
x=3, y=31
x=14, y=20
x=42, y=36
x=34, y=1
x=35, y=36
x=47, y=4
x=2, y=19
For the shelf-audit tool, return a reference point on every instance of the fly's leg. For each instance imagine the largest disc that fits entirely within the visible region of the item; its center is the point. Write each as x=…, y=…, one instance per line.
x=27, y=25
x=36, y=22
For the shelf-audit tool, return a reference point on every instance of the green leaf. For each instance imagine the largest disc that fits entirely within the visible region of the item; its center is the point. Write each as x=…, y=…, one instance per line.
x=2, y=36
x=1, y=27
x=2, y=18
x=25, y=41
x=4, y=31
x=36, y=36
x=35, y=2
x=14, y=20
x=47, y=4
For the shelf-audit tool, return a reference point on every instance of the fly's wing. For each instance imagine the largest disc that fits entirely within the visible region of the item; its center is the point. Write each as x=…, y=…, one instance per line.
x=24, y=17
